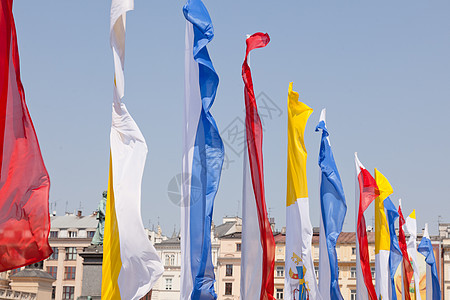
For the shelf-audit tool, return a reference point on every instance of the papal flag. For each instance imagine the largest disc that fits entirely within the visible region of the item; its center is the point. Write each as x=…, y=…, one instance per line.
x=298, y=225
x=368, y=191
x=332, y=214
x=411, y=227
x=24, y=181
x=131, y=265
x=382, y=237
x=258, y=245
x=203, y=156
x=426, y=249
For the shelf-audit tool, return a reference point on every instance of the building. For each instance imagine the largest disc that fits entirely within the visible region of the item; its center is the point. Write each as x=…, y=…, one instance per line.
x=168, y=285
x=69, y=235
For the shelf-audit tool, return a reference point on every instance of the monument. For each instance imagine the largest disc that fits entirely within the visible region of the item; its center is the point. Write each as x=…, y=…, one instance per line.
x=93, y=258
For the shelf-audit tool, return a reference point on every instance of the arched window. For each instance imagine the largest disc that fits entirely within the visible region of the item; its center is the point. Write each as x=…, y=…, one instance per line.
x=172, y=260
x=167, y=260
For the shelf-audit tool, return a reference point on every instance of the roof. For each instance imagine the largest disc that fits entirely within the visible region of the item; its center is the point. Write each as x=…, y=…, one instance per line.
x=37, y=273
x=72, y=221
x=223, y=229
x=171, y=241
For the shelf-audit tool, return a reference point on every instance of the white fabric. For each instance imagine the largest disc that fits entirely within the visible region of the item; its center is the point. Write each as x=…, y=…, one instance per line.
x=382, y=274
x=298, y=240
x=361, y=290
x=192, y=109
x=251, y=250
x=411, y=227
x=324, y=264
x=141, y=265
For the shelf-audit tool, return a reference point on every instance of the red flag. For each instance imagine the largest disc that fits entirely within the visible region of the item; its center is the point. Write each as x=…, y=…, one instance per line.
x=368, y=191
x=408, y=271
x=24, y=181
x=254, y=144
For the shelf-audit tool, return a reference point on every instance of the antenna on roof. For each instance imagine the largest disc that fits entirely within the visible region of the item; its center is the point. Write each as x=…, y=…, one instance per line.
x=238, y=208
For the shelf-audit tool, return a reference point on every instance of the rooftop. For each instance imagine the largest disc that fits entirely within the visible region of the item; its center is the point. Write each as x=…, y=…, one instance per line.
x=73, y=221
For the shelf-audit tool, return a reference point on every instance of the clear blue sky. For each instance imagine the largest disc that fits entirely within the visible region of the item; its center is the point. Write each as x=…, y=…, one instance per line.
x=381, y=68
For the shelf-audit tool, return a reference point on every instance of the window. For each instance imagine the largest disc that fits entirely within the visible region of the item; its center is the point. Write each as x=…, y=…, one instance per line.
x=72, y=234
x=353, y=250
x=238, y=247
x=280, y=271
x=279, y=294
x=52, y=271
x=353, y=272
x=68, y=292
x=229, y=270
x=352, y=294
x=372, y=270
x=53, y=292
x=90, y=234
x=53, y=234
x=228, y=288
x=172, y=260
x=69, y=273
x=71, y=253
x=54, y=255
x=167, y=261
x=168, y=283
x=316, y=271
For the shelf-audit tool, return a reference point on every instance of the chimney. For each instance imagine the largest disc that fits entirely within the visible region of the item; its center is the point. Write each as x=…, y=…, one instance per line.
x=79, y=214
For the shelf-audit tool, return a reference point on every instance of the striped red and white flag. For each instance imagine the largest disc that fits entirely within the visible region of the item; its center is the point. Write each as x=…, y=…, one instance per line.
x=368, y=191
x=258, y=245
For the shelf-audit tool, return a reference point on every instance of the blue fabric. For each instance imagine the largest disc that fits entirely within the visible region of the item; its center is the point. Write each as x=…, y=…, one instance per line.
x=208, y=157
x=333, y=206
x=426, y=249
x=395, y=254
x=302, y=289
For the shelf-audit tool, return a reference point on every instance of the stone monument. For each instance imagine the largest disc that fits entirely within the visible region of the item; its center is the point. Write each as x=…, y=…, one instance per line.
x=93, y=258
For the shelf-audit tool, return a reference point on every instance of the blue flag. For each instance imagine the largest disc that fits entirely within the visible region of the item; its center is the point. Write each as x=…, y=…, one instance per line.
x=426, y=249
x=333, y=210
x=203, y=157
x=395, y=255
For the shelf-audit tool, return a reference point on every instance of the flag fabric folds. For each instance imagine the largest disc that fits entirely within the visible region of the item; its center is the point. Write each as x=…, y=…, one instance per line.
x=332, y=212
x=131, y=265
x=411, y=227
x=24, y=181
x=298, y=225
x=395, y=254
x=258, y=245
x=368, y=191
x=203, y=156
x=382, y=237
x=407, y=270
x=426, y=249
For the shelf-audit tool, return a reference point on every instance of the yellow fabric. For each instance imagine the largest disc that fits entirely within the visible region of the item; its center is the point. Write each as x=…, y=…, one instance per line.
x=298, y=114
x=111, y=246
x=382, y=239
x=413, y=214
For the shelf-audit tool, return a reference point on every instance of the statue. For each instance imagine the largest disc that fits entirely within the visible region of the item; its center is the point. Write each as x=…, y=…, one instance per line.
x=101, y=211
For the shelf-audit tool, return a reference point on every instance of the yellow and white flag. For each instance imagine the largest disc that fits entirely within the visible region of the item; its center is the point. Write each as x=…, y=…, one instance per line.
x=131, y=265
x=300, y=279
x=382, y=238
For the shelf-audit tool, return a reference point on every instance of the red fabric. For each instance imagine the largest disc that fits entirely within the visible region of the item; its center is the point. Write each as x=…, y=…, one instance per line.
x=368, y=191
x=254, y=143
x=24, y=181
x=408, y=271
